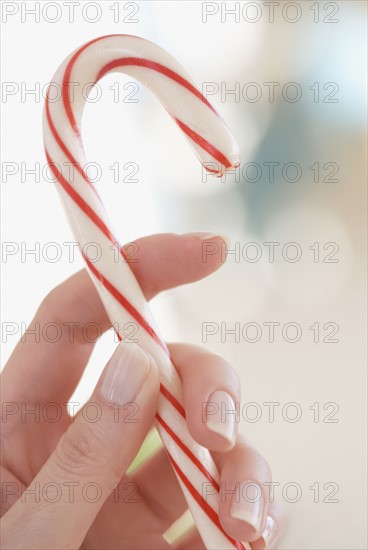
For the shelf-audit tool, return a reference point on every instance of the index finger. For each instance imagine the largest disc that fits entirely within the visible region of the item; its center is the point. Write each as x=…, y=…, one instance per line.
x=50, y=370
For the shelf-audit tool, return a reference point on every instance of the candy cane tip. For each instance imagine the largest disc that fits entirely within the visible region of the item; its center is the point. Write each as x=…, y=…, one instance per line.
x=218, y=170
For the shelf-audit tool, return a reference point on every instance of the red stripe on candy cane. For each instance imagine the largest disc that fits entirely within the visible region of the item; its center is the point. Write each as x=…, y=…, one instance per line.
x=66, y=80
x=206, y=145
x=83, y=205
x=173, y=400
x=154, y=66
x=62, y=145
x=195, y=460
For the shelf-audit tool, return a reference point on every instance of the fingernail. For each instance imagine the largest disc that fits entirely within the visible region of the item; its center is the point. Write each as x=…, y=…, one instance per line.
x=247, y=504
x=125, y=374
x=221, y=415
x=270, y=534
x=207, y=235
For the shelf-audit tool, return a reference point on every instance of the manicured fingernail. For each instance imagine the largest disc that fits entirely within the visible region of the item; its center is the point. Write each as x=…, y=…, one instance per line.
x=125, y=374
x=207, y=236
x=247, y=504
x=221, y=415
x=269, y=535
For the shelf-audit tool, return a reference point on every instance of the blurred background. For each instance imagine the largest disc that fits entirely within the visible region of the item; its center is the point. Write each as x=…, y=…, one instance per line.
x=290, y=81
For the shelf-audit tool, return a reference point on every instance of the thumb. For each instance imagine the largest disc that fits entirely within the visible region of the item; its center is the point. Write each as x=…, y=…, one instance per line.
x=61, y=503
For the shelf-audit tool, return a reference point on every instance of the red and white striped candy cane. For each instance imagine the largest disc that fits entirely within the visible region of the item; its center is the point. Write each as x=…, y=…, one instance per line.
x=115, y=282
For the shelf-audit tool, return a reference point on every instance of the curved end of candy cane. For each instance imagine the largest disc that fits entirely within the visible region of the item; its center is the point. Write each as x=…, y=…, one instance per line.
x=204, y=128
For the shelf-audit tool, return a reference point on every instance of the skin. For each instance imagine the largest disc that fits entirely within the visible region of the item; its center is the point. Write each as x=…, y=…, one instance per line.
x=81, y=452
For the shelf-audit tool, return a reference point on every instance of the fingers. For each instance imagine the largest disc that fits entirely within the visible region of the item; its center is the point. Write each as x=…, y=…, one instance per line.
x=74, y=312
x=244, y=501
x=245, y=477
x=211, y=396
x=167, y=260
x=91, y=457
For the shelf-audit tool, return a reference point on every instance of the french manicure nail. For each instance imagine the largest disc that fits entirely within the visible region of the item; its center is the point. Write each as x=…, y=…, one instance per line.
x=207, y=235
x=221, y=415
x=270, y=533
x=247, y=504
x=125, y=374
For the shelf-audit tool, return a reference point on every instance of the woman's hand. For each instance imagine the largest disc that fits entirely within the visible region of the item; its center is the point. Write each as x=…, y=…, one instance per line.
x=64, y=483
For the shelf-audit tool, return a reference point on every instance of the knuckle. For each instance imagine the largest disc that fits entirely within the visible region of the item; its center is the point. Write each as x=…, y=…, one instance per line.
x=248, y=454
x=77, y=451
x=58, y=306
x=261, y=465
x=50, y=300
x=228, y=372
x=236, y=380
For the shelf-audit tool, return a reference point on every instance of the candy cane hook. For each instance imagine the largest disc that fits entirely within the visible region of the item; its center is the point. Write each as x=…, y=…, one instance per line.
x=115, y=282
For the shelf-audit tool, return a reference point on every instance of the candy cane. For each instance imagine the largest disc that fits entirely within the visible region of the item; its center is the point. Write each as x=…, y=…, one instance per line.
x=115, y=282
